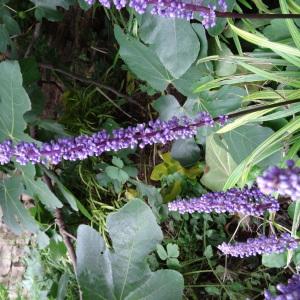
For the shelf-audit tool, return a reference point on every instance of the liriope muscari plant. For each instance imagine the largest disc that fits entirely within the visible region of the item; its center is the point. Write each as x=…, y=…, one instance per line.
x=83, y=146
x=260, y=245
x=248, y=201
x=289, y=291
x=285, y=181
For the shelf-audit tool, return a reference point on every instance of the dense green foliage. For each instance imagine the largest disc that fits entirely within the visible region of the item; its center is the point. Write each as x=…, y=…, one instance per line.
x=67, y=68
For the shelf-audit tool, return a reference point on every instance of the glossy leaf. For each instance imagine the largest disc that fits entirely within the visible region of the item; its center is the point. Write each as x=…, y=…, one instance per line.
x=15, y=215
x=142, y=61
x=173, y=40
x=123, y=273
x=14, y=102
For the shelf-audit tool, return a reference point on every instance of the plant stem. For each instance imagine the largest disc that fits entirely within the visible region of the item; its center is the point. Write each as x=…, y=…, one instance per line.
x=234, y=15
x=61, y=225
x=259, y=108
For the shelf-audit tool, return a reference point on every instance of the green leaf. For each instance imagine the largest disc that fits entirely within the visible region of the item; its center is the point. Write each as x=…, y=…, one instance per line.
x=194, y=76
x=39, y=189
x=162, y=253
x=186, y=151
x=4, y=38
x=124, y=273
x=116, y=174
x=118, y=162
x=63, y=286
x=226, y=99
x=173, y=40
x=274, y=260
x=208, y=252
x=30, y=70
x=67, y=194
x=172, y=250
x=219, y=163
x=223, y=66
x=142, y=61
x=14, y=102
x=153, y=196
x=167, y=107
x=15, y=215
x=248, y=137
x=11, y=25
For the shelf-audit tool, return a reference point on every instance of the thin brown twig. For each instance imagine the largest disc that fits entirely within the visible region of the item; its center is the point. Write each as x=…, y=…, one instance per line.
x=61, y=226
x=93, y=82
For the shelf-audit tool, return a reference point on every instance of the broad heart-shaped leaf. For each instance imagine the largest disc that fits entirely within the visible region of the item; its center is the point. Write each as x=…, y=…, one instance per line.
x=38, y=188
x=173, y=40
x=219, y=162
x=226, y=99
x=243, y=140
x=123, y=273
x=142, y=61
x=15, y=215
x=194, y=76
x=14, y=102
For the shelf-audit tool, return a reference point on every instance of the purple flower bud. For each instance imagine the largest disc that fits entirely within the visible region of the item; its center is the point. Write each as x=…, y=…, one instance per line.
x=290, y=291
x=248, y=201
x=260, y=245
x=81, y=147
x=284, y=181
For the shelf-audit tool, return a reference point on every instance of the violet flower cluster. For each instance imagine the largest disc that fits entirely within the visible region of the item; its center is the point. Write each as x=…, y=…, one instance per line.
x=170, y=8
x=284, y=181
x=260, y=245
x=249, y=201
x=81, y=147
x=290, y=291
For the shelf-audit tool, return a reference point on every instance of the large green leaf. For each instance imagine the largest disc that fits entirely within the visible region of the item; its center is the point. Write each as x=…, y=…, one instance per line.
x=142, y=61
x=219, y=163
x=15, y=215
x=14, y=102
x=226, y=99
x=4, y=38
x=193, y=77
x=124, y=273
x=248, y=137
x=173, y=40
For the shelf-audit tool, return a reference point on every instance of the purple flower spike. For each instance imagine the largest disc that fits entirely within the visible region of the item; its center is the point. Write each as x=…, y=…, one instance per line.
x=290, y=291
x=6, y=152
x=284, y=181
x=260, y=245
x=170, y=8
x=249, y=201
x=81, y=147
